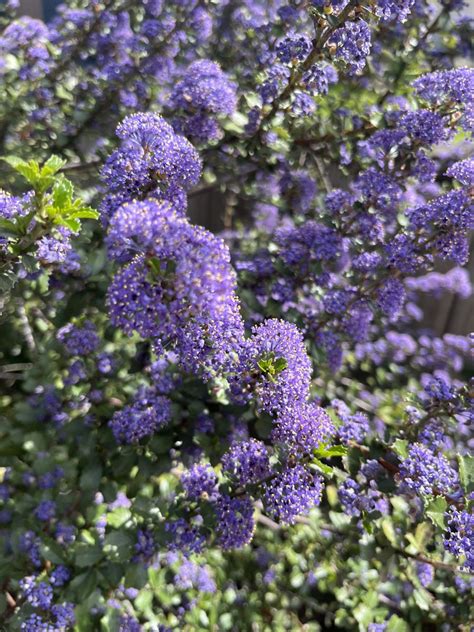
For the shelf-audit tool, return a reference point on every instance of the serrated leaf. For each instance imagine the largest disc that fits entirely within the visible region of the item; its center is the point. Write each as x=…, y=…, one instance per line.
x=435, y=511
x=29, y=170
x=72, y=224
x=52, y=165
x=85, y=213
x=63, y=191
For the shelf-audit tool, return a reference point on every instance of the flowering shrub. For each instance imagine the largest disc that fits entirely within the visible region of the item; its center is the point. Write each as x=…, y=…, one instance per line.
x=251, y=429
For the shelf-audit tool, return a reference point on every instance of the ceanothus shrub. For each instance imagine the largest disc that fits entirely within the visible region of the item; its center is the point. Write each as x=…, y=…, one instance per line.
x=249, y=427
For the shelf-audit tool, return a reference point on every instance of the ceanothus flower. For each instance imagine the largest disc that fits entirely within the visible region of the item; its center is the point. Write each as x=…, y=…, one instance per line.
x=459, y=536
x=148, y=413
x=427, y=473
x=235, y=524
x=247, y=462
x=276, y=369
x=199, y=482
x=203, y=93
x=79, y=340
x=301, y=429
x=353, y=44
x=293, y=48
x=151, y=159
x=463, y=171
x=291, y=493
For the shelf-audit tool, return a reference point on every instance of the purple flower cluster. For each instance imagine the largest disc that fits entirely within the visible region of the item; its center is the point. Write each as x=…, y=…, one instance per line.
x=203, y=93
x=247, y=462
x=427, y=473
x=79, y=340
x=151, y=160
x=235, y=524
x=459, y=536
x=148, y=413
x=291, y=493
x=352, y=43
x=198, y=482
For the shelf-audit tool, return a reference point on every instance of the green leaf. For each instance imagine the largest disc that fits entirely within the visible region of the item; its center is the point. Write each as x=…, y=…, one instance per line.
x=466, y=473
x=280, y=365
x=400, y=447
x=29, y=170
x=87, y=555
x=423, y=598
x=435, y=511
x=72, y=224
x=90, y=477
x=52, y=165
x=389, y=531
x=9, y=228
x=63, y=191
x=396, y=624
x=84, y=584
x=326, y=469
x=335, y=450
x=85, y=213
x=118, y=517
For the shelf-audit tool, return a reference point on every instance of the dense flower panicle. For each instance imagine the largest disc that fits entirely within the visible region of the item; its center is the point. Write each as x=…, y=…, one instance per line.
x=183, y=293
x=12, y=206
x=145, y=546
x=391, y=297
x=438, y=389
x=424, y=126
x=46, y=510
x=149, y=227
x=319, y=77
x=148, y=413
x=191, y=575
x=79, y=340
x=205, y=87
x=309, y=242
x=235, y=523
x=353, y=44
x=28, y=38
x=459, y=536
x=456, y=84
x=151, y=159
x=203, y=93
x=394, y=9
x=38, y=595
x=293, y=48
x=463, y=171
x=427, y=473
x=293, y=492
x=303, y=428
x=247, y=462
x=349, y=493
x=199, y=482
x=277, y=368
x=353, y=428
